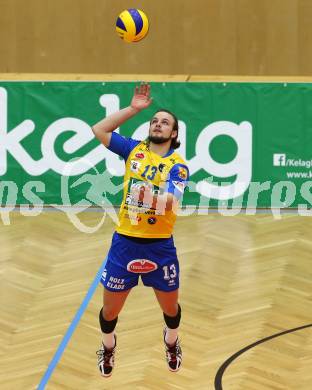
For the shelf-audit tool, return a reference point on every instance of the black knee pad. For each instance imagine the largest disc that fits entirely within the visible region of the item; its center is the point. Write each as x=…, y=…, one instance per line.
x=107, y=326
x=173, y=322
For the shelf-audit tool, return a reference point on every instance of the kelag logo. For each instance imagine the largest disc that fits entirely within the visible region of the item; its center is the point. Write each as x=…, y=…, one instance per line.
x=11, y=142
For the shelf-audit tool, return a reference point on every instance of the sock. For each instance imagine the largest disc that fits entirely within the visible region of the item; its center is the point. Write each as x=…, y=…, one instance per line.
x=109, y=340
x=171, y=336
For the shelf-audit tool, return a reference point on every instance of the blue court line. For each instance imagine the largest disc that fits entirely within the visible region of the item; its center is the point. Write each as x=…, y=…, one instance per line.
x=58, y=354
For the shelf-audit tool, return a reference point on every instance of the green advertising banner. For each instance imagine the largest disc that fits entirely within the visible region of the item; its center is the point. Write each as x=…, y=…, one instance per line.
x=246, y=144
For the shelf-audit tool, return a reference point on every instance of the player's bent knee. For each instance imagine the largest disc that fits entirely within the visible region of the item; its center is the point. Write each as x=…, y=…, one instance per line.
x=109, y=312
x=170, y=309
x=173, y=322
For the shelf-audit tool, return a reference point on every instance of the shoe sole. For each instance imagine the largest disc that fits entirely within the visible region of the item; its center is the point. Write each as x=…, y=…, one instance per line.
x=106, y=376
x=170, y=369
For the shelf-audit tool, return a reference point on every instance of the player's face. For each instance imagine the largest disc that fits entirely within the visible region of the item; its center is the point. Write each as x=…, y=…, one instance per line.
x=161, y=128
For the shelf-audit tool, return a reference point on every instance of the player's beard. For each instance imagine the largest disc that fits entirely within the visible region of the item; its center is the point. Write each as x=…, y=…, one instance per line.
x=158, y=140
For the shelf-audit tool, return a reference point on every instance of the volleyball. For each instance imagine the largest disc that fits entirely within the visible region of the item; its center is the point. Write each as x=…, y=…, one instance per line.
x=132, y=25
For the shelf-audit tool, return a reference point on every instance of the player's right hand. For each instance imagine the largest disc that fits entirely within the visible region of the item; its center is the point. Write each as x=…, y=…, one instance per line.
x=141, y=98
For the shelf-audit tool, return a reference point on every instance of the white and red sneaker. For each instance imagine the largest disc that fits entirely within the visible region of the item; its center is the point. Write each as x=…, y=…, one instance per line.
x=173, y=354
x=106, y=360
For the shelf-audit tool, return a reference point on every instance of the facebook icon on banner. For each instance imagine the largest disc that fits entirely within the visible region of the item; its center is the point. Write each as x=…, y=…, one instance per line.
x=279, y=160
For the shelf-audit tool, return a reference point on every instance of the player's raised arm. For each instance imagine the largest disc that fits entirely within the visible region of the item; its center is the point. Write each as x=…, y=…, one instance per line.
x=141, y=100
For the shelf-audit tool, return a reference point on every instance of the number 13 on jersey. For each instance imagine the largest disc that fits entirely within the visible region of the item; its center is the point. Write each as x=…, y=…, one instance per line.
x=170, y=272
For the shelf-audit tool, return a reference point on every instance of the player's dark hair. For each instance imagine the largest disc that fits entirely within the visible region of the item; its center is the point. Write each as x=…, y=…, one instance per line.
x=175, y=143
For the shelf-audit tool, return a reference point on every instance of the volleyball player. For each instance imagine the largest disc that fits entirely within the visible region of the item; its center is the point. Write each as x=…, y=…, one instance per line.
x=142, y=245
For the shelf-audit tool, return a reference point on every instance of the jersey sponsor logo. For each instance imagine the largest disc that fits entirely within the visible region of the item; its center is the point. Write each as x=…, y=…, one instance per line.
x=133, y=218
x=128, y=199
x=116, y=283
x=136, y=209
x=140, y=155
x=161, y=167
x=134, y=202
x=134, y=166
x=179, y=185
x=140, y=185
x=136, y=218
x=171, y=283
x=141, y=266
x=182, y=173
x=104, y=274
x=152, y=221
x=150, y=212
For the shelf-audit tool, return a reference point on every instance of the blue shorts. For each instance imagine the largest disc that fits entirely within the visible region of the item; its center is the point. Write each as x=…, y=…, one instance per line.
x=156, y=263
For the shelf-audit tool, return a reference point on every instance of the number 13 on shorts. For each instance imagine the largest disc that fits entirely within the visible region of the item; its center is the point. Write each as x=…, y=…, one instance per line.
x=170, y=272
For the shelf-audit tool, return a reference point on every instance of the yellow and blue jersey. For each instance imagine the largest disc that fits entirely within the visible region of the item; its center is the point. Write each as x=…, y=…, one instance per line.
x=162, y=174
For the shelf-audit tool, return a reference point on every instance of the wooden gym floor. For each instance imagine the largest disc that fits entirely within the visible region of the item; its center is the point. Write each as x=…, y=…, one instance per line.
x=243, y=278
